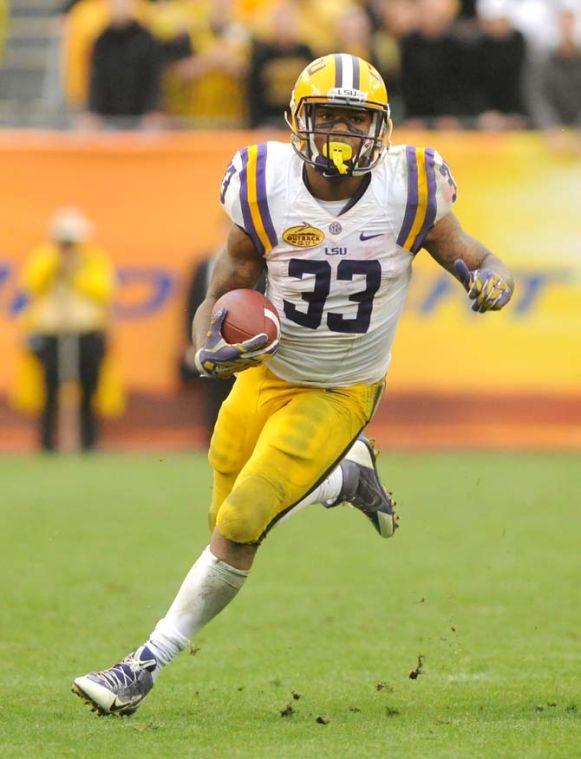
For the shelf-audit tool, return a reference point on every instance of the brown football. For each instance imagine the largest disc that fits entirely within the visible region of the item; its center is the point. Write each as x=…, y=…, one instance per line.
x=248, y=314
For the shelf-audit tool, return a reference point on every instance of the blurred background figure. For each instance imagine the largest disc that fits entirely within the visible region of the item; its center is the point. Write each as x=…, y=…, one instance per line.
x=125, y=72
x=435, y=85
x=153, y=37
x=538, y=20
x=353, y=33
x=395, y=19
x=69, y=283
x=207, y=89
x=318, y=22
x=3, y=26
x=561, y=83
x=82, y=23
x=498, y=60
x=468, y=9
x=276, y=61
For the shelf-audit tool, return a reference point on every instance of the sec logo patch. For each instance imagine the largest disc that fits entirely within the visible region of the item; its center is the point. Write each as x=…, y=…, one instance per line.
x=303, y=236
x=335, y=228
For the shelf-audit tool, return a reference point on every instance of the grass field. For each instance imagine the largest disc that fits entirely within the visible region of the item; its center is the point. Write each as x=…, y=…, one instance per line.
x=482, y=581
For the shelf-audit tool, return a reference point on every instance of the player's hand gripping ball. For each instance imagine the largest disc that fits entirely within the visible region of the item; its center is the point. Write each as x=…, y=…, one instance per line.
x=486, y=288
x=244, y=332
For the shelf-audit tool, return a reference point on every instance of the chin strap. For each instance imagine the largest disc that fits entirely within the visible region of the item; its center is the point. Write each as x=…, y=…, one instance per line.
x=339, y=153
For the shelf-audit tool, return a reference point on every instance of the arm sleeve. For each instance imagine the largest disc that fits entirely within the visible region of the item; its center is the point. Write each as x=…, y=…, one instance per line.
x=430, y=193
x=248, y=187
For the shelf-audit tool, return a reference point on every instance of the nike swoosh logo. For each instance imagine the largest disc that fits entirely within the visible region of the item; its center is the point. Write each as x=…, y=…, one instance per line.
x=364, y=237
x=116, y=706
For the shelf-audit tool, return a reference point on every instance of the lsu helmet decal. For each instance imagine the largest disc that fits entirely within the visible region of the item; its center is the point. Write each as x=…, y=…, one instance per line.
x=350, y=82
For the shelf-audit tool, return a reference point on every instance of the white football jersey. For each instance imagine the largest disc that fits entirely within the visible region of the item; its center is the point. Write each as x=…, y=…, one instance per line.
x=338, y=281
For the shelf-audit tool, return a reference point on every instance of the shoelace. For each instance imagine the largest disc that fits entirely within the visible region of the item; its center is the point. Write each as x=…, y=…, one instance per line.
x=124, y=673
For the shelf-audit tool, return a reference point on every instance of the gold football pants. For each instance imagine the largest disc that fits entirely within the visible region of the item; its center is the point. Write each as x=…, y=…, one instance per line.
x=274, y=442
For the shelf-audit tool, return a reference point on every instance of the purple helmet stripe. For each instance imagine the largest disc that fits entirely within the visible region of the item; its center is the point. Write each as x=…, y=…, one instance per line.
x=356, y=75
x=432, y=204
x=249, y=227
x=338, y=70
x=412, y=199
x=261, y=194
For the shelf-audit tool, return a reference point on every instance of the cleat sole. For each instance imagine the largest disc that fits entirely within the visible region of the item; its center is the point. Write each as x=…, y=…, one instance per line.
x=383, y=528
x=94, y=707
x=89, y=701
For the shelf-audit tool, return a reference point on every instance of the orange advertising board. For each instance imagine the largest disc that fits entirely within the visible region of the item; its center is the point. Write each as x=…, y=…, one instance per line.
x=154, y=203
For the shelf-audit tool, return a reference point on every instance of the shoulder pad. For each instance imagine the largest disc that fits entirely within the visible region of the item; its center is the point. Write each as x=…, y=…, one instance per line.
x=431, y=192
x=244, y=195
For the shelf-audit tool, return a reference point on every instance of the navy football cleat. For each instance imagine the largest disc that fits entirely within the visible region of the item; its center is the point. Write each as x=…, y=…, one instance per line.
x=121, y=688
x=362, y=487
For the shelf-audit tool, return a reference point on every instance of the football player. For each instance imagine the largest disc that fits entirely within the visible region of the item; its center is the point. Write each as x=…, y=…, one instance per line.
x=336, y=217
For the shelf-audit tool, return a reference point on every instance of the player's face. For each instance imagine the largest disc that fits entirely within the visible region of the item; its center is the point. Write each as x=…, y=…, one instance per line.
x=341, y=121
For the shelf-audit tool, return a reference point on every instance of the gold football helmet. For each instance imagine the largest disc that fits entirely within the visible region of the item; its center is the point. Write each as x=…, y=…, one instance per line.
x=339, y=80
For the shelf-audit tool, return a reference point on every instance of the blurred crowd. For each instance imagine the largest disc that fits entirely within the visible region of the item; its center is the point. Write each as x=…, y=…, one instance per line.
x=486, y=64
x=3, y=26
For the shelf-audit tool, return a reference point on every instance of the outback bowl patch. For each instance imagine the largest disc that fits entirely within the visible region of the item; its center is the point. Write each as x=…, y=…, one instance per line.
x=303, y=236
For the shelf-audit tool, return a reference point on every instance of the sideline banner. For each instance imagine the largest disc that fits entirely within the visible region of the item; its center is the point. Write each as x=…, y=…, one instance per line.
x=154, y=204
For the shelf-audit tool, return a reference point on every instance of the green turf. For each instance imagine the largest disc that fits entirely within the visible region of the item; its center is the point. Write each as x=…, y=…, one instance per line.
x=482, y=580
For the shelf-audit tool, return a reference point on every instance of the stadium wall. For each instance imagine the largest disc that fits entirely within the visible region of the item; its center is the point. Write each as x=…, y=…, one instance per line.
x=154, y=203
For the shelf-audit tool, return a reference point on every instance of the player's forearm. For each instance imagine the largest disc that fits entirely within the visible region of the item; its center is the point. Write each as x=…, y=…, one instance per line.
x=236, y=266
x=225, y=277
x=447, y=242
x=201, y=323
x=475, y=255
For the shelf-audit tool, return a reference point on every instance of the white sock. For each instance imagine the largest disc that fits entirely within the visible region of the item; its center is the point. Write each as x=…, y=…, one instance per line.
x=209, y=586
x=326, y=492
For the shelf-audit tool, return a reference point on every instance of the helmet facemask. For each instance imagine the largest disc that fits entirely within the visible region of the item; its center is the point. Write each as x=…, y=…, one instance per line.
x=337, y=158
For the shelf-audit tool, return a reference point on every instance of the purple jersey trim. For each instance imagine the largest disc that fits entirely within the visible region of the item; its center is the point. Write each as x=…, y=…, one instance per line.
x=412, y=199
x=261, y=194
x=249, y=227
x=432, y=202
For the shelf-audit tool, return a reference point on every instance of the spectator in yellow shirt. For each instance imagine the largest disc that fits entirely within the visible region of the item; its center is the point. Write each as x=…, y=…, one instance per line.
x=208, y=89
x=69, y=283
x=3, y=25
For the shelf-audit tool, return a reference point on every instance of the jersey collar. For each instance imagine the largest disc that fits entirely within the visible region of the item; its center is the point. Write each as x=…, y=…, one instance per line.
x=352, y=200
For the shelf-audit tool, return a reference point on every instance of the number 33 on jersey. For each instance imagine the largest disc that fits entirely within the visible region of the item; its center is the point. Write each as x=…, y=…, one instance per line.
x=337, y=273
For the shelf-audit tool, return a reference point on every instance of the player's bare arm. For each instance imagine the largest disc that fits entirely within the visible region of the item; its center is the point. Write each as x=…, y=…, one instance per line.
x=484, y=276
x=238, y=265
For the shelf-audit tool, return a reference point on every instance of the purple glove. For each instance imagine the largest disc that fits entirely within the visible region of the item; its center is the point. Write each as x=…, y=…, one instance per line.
x=221, y=359
x=486, y=288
